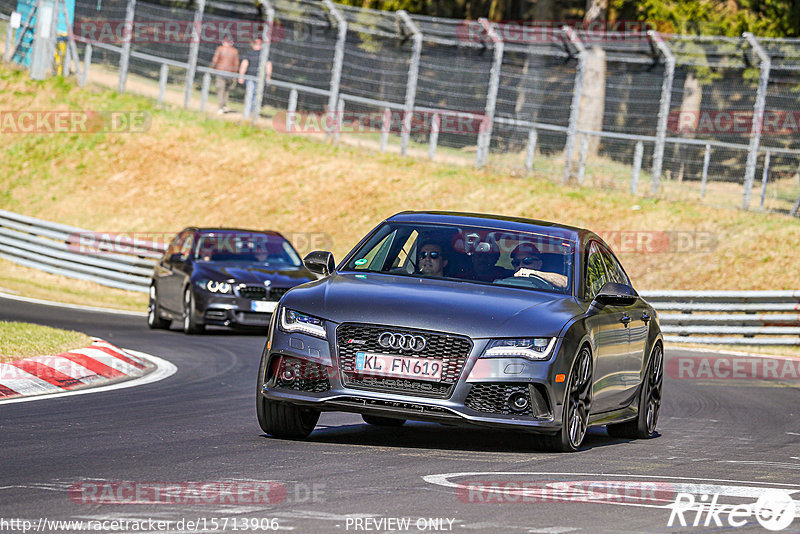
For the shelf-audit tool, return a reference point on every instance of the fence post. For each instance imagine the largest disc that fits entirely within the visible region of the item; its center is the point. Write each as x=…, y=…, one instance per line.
x=339, y=119
x=663, y=109
x=338, y=55
x=434, y=137
x=204, y=91
x=706, y=161
x=758, y=117
x=194, y=48
x=385, y=127
x=796, y=207
x=582, y=158
x=66, y=68
x=413, y=77
x=485, y=137
x=291, y=108
x=533, y=137
x=162, y=82
x=9, y=39
x=263, y=59
x=764, y=179
x=87, y=62
x=125, y=55
x=575, y=106
x=637, y=166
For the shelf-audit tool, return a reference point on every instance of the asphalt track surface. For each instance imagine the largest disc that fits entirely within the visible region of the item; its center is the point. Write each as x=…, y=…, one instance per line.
x=199, y=426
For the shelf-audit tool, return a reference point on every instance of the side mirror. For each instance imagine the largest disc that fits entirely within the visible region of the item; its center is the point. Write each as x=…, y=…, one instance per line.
x=320, y=262
x=614, y=294
x=176, y=258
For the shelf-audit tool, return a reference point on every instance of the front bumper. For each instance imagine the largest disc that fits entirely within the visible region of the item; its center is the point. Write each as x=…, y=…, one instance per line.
x=480, y=397
x=232, y=310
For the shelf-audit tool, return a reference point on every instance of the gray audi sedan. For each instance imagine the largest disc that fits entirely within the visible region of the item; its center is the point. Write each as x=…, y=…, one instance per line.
x=466, y=319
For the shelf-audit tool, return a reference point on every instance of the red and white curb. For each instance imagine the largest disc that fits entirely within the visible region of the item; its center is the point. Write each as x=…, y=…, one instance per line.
x=99, y=363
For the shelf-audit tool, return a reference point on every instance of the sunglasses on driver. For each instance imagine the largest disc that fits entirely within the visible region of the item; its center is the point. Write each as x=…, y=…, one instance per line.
x=527, y=260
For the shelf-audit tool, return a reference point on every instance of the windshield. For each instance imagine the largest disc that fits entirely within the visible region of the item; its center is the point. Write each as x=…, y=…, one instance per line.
x=246, y=247
x=473, y=254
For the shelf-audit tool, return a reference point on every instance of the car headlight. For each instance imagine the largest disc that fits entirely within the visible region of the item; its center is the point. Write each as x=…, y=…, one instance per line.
x=531, y=348
x=294, y=321
x=216, y=287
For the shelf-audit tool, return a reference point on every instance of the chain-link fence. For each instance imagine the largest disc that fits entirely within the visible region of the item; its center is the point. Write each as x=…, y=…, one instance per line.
x=682, y=117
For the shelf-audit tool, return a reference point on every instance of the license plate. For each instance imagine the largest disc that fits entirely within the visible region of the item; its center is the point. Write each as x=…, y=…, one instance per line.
x=399, y=366
x=267, y=306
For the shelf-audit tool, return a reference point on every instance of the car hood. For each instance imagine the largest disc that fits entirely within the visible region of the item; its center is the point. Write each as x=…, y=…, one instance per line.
x=476, y=310
x=253, y=274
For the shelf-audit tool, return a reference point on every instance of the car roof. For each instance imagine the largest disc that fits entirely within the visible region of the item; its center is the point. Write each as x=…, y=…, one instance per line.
x=221, y=230
x=501, y=222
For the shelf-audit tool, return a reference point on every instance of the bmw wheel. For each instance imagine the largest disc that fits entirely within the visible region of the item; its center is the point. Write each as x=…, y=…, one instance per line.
x=190, y=324
x=644, y=426
x=154, y=319
x=577, y=403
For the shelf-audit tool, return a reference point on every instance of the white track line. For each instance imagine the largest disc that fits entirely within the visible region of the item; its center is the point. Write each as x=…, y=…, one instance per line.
x=164, y=369
x=70, y=306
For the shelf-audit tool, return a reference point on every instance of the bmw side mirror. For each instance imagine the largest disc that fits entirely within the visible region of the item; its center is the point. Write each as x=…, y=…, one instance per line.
x=320, y=262
x=614, y=294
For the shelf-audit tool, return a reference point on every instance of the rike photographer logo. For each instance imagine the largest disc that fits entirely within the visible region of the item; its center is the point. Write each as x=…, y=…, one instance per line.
x=774, y=510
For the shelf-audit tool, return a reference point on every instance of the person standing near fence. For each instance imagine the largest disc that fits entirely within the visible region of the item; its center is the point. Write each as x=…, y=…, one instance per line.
x=249, y=67
x=226, y=58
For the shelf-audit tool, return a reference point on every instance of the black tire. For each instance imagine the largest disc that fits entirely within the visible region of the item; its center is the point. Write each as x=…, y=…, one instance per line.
x=154, y=319
x=279, y=419
x=577, y=404
x=644, y=426
x=382, y=421
x=190, y=324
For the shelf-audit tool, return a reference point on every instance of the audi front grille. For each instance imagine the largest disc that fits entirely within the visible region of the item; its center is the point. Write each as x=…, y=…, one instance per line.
x=449, y=350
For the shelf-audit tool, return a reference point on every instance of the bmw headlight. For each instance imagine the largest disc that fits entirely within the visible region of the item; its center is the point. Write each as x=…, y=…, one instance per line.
x=531, y=348
x=216, y=287
x=294, y=321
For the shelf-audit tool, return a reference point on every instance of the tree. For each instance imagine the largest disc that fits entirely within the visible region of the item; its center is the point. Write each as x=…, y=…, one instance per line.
x=593, y=94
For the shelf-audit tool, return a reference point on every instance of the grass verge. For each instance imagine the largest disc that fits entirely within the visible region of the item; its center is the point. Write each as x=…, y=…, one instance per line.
x=23, y=340
x=19, y=280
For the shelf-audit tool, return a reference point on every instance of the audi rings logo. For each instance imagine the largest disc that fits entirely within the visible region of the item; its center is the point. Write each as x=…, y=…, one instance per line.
x=390, y=340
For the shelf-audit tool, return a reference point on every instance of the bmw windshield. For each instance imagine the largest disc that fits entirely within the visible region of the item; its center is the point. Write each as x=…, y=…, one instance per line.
x=246, y=247
x=473, y=254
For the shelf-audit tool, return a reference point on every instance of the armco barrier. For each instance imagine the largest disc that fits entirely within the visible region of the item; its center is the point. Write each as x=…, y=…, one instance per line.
x=56, y=248
x=728, y=317
x=720, y=317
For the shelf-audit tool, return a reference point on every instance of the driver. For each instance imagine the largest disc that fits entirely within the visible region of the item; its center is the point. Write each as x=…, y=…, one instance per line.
x=431, y=260
x=527, y=260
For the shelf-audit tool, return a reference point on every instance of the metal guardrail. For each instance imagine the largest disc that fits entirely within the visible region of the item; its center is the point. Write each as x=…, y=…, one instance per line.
x=718, y=317
x=728, y=317
x=63, y=250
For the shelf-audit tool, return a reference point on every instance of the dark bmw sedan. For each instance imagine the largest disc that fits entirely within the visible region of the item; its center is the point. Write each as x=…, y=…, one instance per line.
x=219, y=276
x=470, y=320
